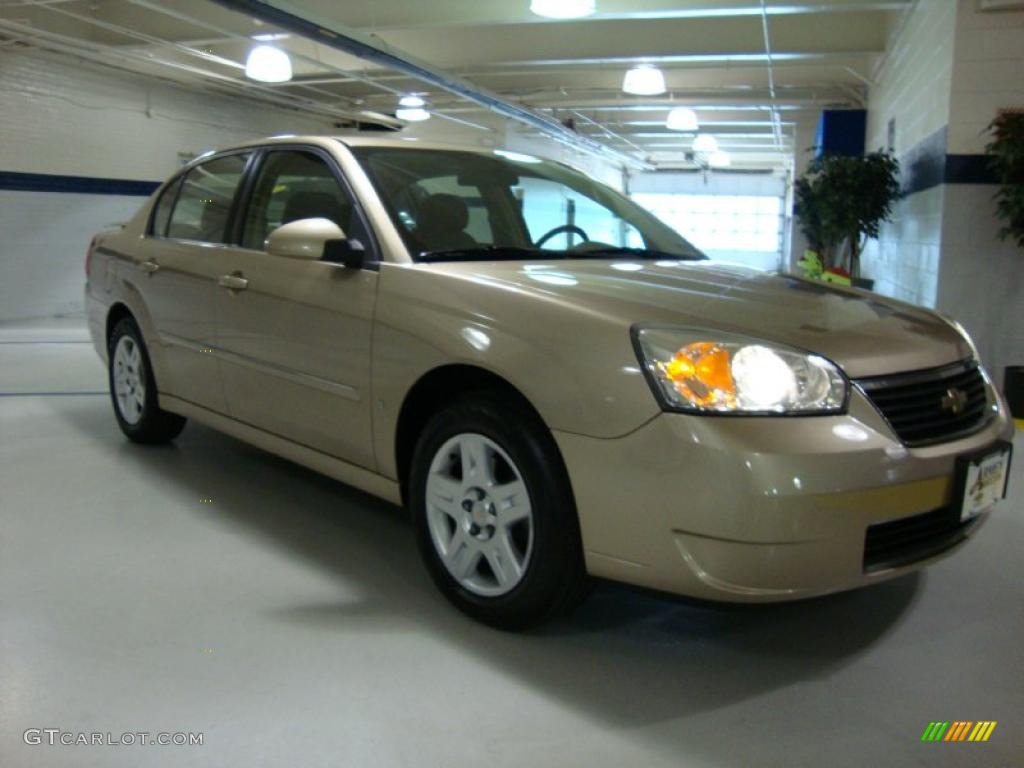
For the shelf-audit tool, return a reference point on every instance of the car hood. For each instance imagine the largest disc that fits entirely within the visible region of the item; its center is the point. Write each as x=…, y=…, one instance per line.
x=865, y=334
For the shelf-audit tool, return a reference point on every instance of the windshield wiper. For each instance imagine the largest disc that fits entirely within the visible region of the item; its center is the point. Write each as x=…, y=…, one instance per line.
x=484, y=253
x=646, y=253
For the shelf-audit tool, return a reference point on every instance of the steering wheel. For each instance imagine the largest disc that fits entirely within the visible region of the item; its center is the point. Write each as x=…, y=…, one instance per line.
x=562, y=229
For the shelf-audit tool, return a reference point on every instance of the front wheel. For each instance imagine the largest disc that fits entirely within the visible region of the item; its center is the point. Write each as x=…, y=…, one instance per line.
x=494, y=513
x=133, y=388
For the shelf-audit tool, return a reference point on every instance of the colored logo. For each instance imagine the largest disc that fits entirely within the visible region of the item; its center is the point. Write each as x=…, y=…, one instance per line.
x=959, y=730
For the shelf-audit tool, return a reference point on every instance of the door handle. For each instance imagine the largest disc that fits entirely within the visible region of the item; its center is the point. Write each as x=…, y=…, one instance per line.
x=149, y=267
x=233, y=282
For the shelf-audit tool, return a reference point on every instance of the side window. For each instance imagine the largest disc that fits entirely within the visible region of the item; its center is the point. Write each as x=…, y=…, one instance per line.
x=162, y=214
x=204, y=203
x=294, y=185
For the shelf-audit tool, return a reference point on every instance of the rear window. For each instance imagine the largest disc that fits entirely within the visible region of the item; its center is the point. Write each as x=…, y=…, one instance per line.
x=162, y=214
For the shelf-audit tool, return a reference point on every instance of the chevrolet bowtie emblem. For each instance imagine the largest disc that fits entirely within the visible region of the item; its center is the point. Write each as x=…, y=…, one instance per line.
x=954, y=401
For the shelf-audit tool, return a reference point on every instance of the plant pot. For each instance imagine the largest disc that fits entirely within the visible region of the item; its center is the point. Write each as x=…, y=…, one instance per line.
x=1013, y=388
x=867, y=283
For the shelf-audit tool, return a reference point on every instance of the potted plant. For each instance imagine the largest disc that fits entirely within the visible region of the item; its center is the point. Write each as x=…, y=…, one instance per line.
x=841, y=201
x=1006, y=151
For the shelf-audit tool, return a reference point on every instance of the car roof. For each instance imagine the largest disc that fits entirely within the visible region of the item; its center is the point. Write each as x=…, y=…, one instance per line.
x=405, y=142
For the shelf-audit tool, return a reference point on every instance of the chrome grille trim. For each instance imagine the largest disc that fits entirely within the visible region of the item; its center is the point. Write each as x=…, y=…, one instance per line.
x=911, y=402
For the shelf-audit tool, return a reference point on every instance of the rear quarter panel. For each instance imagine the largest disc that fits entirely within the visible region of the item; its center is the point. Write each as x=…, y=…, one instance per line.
x=113, y=279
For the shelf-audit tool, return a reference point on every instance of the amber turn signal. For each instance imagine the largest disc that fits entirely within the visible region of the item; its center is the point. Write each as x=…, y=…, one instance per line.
x=702, y=373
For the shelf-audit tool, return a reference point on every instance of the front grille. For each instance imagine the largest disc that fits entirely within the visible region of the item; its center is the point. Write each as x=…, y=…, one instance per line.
x=909, y=539
x=931, y=406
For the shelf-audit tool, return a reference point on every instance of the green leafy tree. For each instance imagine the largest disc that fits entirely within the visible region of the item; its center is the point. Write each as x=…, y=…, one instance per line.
x=1007, y=154
x=809, y=215
x=843, y=200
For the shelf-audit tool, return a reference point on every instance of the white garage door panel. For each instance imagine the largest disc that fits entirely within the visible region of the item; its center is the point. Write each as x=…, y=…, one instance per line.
x=732, y=217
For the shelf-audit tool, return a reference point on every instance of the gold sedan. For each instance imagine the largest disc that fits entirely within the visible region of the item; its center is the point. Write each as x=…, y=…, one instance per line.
x=554, y=383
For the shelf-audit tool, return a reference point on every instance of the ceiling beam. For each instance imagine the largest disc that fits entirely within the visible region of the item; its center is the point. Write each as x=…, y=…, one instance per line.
x=726, y=59
x=248, y=41
x=107, y=54
x=372, y=48
x=383, y=16
x=602, y=43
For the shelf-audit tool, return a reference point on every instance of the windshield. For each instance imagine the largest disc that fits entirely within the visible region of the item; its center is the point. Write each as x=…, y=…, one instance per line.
x=455, y=205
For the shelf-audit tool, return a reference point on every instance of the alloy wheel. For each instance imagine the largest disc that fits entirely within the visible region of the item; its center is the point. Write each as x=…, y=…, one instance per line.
x=479, y=515
x=129, y=380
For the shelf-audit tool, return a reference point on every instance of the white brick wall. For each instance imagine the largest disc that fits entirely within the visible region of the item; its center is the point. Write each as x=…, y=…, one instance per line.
x=915, y=76
x=904, y=261
x=988, y=73
x=981, y=281
x=914, y=89
x=66, y=117
x=941, y=248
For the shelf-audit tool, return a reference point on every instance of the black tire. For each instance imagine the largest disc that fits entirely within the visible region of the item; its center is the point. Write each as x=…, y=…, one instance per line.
x=554, y=579
x=152, y=425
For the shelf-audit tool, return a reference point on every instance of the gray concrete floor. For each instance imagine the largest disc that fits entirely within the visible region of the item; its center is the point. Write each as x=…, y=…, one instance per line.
x=289, y=621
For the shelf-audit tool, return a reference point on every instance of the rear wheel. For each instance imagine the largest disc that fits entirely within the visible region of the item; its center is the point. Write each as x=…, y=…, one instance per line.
x=133, y=389
x=494, y=513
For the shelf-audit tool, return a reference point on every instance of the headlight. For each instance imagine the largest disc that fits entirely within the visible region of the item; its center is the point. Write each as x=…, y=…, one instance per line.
x=710, y=372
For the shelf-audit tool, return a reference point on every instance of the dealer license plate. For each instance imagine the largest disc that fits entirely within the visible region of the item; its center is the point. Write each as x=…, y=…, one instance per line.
x=983, y=479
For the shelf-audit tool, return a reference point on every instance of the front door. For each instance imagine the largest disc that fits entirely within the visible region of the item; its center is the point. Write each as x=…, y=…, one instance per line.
x=293, y=335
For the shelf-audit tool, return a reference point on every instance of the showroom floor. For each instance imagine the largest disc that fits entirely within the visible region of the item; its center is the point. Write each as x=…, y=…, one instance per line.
x=208, y=587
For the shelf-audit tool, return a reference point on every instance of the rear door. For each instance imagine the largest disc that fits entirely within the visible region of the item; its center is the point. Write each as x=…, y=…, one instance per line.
x=295, y=340
x=180, y=263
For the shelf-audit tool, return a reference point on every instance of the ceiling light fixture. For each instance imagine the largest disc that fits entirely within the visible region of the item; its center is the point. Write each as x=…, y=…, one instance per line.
x=268, y=64
x=412, y=114
x=705, y=142
x=644, y=80
x=682, y=119
x=412, y=101
x=563, y=9
x=719, y=160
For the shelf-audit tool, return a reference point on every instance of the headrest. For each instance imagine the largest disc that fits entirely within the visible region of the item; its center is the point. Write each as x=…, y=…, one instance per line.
x=443, y=212
x=314, y=205
x=212, y=221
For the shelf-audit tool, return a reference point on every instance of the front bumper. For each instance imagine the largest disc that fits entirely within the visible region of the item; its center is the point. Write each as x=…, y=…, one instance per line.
x=757, y=509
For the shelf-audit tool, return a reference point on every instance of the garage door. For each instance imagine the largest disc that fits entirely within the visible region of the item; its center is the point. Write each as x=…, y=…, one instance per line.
x=734, y=217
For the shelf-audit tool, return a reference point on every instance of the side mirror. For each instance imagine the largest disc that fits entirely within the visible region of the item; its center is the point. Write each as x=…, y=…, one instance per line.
x=303, y=239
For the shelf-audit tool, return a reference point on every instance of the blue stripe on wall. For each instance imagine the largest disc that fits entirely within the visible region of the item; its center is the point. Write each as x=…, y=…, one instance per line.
x=970, y=169
x=928, y=165
x=88, y=185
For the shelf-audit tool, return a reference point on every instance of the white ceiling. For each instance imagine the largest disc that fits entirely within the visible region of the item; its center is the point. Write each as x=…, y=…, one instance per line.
x=752, y=72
